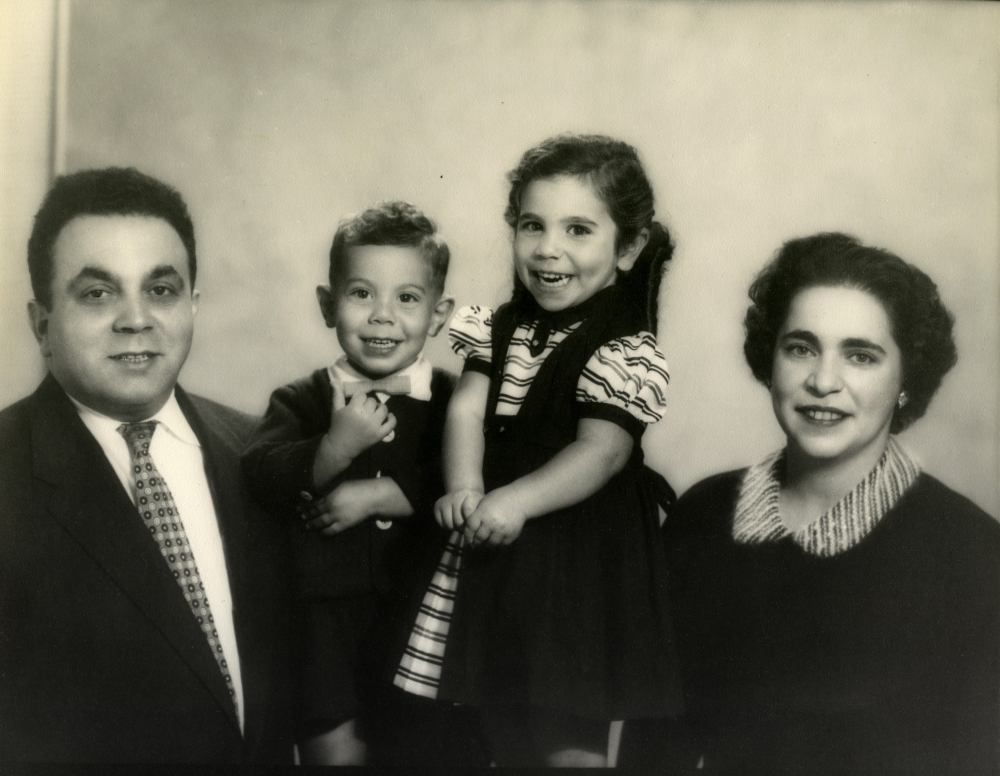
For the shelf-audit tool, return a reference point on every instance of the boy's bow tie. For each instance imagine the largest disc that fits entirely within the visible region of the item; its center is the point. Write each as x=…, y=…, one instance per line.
x=394, y=384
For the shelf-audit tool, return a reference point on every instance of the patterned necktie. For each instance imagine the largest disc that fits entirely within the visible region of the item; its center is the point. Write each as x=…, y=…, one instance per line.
x=396, y=384
x=159, y=514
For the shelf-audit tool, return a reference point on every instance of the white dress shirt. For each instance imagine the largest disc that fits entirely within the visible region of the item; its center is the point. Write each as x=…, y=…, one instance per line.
x=176, y=452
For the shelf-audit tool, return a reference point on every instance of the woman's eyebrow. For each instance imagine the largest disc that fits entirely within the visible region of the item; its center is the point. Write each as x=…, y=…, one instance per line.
x=801, y=334
x=859, y=342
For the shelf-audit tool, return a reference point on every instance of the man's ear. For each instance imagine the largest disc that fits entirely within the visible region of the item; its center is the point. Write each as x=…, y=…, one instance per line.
x=327, y=305
x=628, y=255
x=38, y=316
x=442, y=311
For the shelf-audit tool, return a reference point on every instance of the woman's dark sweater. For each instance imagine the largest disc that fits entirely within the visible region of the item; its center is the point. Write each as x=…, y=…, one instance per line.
x=885, y=656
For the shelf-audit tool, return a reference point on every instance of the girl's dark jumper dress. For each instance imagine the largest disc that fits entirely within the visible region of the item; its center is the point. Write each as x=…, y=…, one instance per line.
x=572, y=616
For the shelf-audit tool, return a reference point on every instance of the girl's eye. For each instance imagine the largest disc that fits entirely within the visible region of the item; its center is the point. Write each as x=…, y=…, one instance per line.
x=579, y=230
x=530, y=226
x=863, y=357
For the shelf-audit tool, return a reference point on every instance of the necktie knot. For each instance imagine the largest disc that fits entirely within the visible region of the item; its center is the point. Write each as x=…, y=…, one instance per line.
x=393, y=385
x=138, y=435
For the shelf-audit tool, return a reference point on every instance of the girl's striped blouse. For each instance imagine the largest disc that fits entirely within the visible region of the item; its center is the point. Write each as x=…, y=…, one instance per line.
x=629, y=372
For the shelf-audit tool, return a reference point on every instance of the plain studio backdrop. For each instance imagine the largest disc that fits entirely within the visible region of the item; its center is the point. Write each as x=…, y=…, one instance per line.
x=757, y=122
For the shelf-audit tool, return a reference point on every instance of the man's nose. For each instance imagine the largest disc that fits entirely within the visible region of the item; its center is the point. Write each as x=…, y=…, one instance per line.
x=133, y=314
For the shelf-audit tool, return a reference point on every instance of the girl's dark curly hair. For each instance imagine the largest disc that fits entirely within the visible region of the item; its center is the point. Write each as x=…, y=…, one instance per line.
x=614, y=169
x=921, y=324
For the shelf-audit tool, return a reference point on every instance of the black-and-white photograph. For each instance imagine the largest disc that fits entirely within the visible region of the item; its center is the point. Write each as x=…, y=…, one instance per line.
x=444, y=384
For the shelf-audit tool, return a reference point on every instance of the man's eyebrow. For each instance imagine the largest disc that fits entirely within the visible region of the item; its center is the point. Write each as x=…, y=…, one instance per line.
x=166, y=271
x=95, y=273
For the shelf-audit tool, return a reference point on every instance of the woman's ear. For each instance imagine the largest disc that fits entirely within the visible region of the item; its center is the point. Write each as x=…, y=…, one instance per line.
x=327, y=305
x=628, y=254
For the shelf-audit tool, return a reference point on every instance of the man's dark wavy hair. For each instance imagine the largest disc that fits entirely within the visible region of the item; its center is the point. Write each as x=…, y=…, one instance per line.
x=921, y=324
x=111, y=191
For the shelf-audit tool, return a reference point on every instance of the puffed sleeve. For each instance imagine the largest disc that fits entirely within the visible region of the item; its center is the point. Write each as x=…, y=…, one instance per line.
x=625, y=381
x=471, y=336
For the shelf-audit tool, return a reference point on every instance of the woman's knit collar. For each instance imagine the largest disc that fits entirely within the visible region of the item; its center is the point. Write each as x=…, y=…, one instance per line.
x=757, y=518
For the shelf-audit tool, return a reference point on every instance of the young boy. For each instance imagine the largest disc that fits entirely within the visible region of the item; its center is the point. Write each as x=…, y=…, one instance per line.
x=352, y=454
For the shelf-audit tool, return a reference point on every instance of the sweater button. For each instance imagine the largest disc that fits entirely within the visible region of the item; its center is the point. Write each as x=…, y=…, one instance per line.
x=384, y=525
x=305, y=495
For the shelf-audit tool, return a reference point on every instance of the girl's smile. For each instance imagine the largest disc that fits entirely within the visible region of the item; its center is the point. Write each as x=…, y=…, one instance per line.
x=564, y=242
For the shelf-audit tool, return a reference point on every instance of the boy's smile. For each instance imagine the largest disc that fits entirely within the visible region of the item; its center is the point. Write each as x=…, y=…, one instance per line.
x=384, y=305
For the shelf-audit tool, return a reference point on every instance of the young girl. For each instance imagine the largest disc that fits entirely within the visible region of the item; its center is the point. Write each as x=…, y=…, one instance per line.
x=548, y=608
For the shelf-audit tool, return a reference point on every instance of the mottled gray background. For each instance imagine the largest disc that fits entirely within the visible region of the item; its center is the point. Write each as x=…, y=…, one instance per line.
x=757, y=122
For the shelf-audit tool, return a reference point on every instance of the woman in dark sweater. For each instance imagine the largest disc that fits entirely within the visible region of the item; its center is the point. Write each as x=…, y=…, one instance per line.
x=836, y=608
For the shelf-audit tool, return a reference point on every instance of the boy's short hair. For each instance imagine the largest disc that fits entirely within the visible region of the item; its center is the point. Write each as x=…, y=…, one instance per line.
x=110, y=191
x=391, y=223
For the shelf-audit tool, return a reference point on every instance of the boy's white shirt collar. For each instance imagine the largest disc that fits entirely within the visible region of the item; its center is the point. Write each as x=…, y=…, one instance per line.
x=169, y=416
x=420, y=373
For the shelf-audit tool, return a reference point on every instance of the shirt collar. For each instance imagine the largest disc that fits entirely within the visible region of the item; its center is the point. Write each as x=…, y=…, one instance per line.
x=420, y=373
x=757, y=518
x=169, y=416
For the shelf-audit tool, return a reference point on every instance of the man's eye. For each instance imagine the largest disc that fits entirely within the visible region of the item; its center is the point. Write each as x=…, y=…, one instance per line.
x=162, y=291
x=96, y=293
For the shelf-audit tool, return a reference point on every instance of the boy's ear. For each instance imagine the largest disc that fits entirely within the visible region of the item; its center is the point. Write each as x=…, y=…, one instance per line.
x=327, y=305
x=628, y=255
x=442, y=311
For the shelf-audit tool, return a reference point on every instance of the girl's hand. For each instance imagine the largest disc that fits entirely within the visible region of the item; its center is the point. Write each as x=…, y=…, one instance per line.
x=452, y=510
x=497, y=520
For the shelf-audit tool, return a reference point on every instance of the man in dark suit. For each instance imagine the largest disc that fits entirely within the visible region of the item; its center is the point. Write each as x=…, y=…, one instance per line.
x=141, y=593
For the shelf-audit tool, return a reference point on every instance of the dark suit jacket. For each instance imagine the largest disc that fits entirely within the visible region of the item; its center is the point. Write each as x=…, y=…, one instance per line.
x=100, y=658
x=365, y=558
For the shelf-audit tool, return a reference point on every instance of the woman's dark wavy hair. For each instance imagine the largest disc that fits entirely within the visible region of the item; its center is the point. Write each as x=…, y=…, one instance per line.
x=921, y=324
x=614, y=169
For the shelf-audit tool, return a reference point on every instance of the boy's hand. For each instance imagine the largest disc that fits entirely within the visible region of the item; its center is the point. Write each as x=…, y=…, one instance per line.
x=347, y=505
x=453, y=509
x=497, y=520
x=357, y=425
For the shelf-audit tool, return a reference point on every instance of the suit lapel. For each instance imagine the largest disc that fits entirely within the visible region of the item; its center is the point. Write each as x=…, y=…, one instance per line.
x=247, y=584
x=88, y=500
